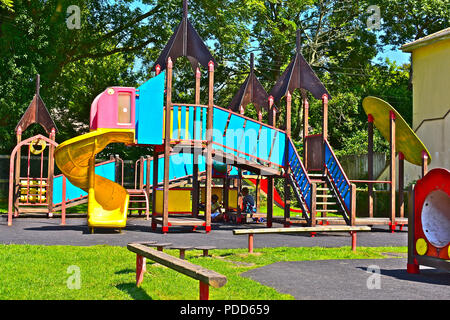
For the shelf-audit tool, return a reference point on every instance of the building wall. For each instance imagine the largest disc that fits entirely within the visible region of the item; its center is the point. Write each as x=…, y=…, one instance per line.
x=431, y=81
x=431, y=106
x=431, y=103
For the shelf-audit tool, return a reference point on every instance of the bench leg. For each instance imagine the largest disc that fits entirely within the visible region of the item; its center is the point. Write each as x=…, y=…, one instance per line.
x=140, y=269
x=250, y=242
x=182, y=255
x=204, y=291
x=353, y=234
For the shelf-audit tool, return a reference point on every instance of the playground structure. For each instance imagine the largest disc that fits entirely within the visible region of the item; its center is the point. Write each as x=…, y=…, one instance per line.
x=192, y=141
x=35, y=189
x=429, y=225
x=403, y=142
x=32, y=193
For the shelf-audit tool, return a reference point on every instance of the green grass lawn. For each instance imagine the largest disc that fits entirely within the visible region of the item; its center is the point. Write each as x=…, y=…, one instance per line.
x=107, y=272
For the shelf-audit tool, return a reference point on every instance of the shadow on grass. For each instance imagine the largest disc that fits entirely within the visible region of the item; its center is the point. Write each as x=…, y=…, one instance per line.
x=126, y=271
x=135, y=292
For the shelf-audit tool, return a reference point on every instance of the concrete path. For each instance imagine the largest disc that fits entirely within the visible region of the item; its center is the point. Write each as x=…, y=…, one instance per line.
x=75, y=232
x=334, y=279
x=375, y=279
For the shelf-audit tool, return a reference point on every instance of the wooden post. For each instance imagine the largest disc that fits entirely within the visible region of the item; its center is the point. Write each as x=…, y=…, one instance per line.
x=197, y=87
x=51, y=171
x=325, y=116
x=353, y=205
x=412, y=266
x=270, y=179
x=401, y=184
x=195, y=185
x=287, y=191
x=141, y=173
x=393, y=169
x=305, y=128
x=17, y=174
x=154, y=186
x=204, y=291
x=424, y=163
x=209, y=127
x=258, y=195
x=370, y=163
x=140, y=261
x=226, y=187
x=63, y=202
x=313, y=204
x=147, y=177
x=353, y=234
x=250, y=242
x=165, y=226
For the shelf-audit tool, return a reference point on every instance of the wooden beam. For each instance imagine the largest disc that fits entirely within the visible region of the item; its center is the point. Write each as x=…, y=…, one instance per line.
x=51, y=172
x=165, y=227
x=287, y=190
x=305, y=127
x=424, y=163
x=302, y=229
x=325, y=116
x=207, y=276
x=392, y=169
x=370, y=163
x=209, y=147
x=401, y=184
x=154, y=186
x=270, y=179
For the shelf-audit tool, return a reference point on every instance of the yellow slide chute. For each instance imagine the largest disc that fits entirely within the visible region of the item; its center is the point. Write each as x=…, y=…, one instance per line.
x=108, y=201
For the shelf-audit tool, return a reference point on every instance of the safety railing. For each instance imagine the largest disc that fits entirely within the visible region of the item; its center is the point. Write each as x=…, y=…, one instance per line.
x=300, y=175
x=188, y=122
x=338, y=177
x=247, y=138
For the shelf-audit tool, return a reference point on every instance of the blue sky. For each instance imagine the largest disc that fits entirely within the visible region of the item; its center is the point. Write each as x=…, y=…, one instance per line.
x=396, y=55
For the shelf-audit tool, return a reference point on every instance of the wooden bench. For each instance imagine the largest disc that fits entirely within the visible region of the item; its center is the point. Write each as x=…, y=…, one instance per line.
x=350, y=229
x=205, y=276
x=205, y=249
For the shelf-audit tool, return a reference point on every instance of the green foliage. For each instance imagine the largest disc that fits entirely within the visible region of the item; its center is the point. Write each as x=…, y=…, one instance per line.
x=32, y=272
x=7, y=4
x=119, y=41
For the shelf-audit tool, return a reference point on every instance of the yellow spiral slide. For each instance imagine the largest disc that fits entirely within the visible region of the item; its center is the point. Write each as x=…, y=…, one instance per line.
x=108, y=201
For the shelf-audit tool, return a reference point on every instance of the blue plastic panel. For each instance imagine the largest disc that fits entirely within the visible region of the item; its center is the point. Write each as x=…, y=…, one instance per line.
x=249, y=141
x=234, y=133
x=150, y=111
x=107, y=170
x=278, y=148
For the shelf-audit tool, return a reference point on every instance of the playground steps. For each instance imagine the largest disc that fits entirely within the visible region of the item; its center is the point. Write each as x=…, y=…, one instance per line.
x=326, y=200
x=138, y=201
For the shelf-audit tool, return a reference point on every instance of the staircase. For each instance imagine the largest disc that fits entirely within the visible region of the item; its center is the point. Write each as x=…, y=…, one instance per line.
x=333, y=191
x=327, y=201
x=138, y=201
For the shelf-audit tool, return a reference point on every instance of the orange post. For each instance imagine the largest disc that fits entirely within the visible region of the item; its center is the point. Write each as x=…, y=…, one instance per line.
x=204, y=291
x=250, y=242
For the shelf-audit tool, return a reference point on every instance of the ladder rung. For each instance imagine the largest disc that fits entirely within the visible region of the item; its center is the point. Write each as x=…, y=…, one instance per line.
x=328, y=203
x=327, y=210
x=323, y=189
x=324, y=196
